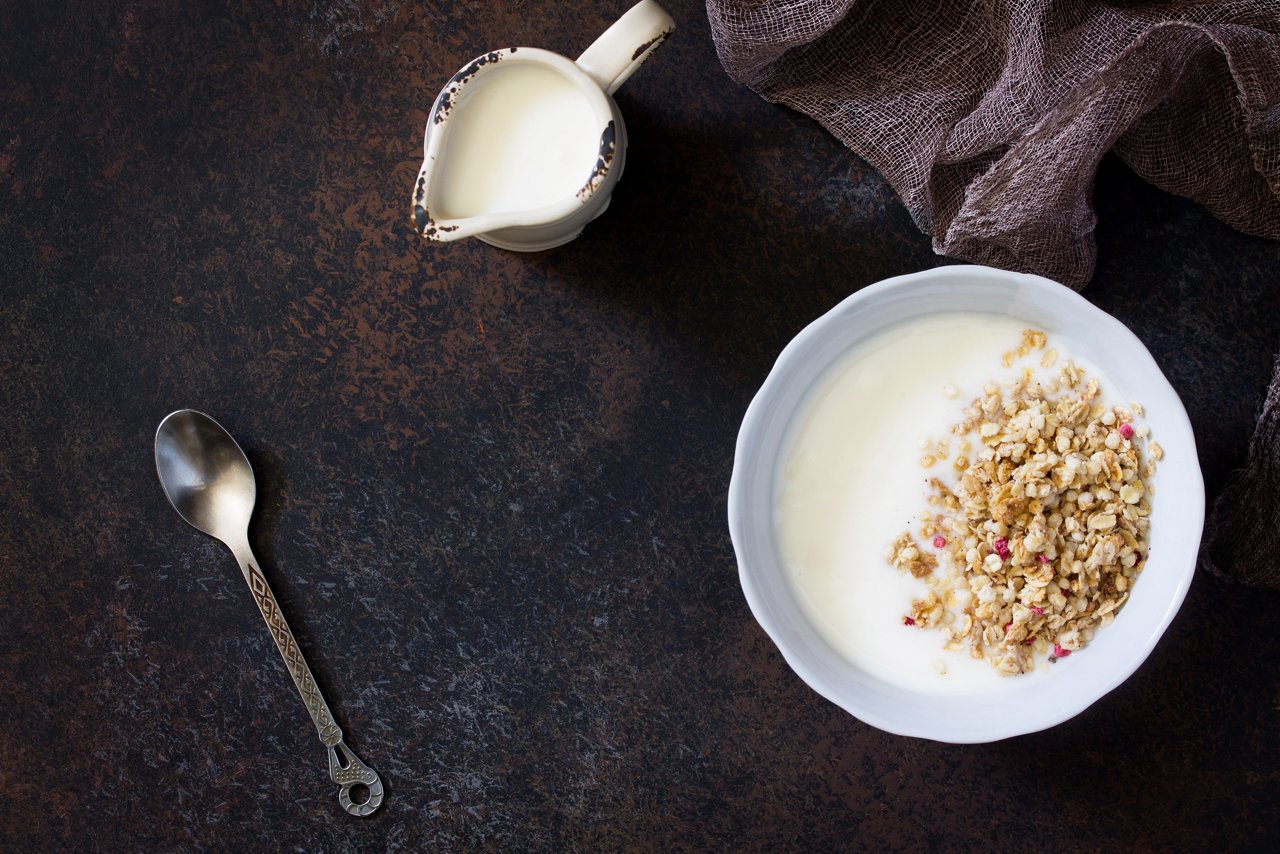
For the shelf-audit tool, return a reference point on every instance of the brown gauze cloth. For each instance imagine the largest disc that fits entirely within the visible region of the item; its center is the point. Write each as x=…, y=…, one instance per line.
x=989, y=119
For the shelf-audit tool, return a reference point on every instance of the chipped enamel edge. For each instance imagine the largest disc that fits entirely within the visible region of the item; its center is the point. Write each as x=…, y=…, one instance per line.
x=604, y=161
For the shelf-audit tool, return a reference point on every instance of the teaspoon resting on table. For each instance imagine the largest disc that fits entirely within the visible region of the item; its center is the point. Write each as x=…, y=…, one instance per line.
x=207, y=478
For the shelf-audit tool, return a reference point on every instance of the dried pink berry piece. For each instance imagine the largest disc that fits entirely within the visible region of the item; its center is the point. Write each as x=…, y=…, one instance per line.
x=939, y=541
x=1041, y=559
x=1059, y=652
x=1001, y=545
x=907, y=621
x=1126, y=430
x=1037, y=610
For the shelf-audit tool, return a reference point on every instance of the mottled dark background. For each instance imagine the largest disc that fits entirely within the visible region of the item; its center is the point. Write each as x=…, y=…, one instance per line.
x=492, y=486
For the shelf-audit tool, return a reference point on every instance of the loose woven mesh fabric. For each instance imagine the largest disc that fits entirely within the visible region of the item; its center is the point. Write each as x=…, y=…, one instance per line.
x=989, y=119
x=1244, y=530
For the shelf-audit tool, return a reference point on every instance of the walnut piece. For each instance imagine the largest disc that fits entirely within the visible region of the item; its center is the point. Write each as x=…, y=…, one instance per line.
x=905, y=554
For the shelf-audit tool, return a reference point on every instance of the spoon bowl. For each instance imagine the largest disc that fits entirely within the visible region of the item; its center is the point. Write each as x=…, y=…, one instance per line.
x=205, y=475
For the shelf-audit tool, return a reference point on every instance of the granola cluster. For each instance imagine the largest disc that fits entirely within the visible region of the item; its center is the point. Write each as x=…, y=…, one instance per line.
x=1045, y=529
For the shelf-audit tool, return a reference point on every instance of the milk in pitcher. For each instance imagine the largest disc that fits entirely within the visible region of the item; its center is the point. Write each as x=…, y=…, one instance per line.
x=524, y=137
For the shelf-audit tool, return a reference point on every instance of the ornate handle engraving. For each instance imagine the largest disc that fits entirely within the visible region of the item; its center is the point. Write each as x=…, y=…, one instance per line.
x=345, y=769
x=330, y=734
x=353, y=773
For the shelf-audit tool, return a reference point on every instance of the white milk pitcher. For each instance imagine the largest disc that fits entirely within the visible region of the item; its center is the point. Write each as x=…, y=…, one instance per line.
x=524, y=146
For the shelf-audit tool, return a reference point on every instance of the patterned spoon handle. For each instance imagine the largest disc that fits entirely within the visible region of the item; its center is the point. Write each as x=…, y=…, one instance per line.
x=345, y=768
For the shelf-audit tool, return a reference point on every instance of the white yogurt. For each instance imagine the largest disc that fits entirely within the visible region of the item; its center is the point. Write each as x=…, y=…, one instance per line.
x=850, y=481
x=521, y=136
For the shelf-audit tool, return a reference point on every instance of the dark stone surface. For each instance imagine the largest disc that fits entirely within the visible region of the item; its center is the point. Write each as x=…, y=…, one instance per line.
x=492, y=487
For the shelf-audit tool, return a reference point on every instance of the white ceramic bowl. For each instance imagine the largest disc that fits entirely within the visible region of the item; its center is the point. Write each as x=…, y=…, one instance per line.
x=1077, y=327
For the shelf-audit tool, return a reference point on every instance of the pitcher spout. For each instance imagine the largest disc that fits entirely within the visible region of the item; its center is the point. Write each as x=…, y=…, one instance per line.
x=437, y=228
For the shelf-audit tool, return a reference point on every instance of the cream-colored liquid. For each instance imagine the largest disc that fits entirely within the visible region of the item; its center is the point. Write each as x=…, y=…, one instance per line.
x=851, y=481
x=521, y=136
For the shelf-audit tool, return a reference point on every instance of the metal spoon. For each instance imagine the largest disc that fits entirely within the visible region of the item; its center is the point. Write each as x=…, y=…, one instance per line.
x=208, y=480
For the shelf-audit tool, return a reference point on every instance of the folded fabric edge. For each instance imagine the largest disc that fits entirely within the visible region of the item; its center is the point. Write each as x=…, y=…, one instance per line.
x=1242, y=540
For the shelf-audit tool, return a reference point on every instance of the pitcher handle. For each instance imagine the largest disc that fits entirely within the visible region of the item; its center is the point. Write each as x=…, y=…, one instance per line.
x=622, y=48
